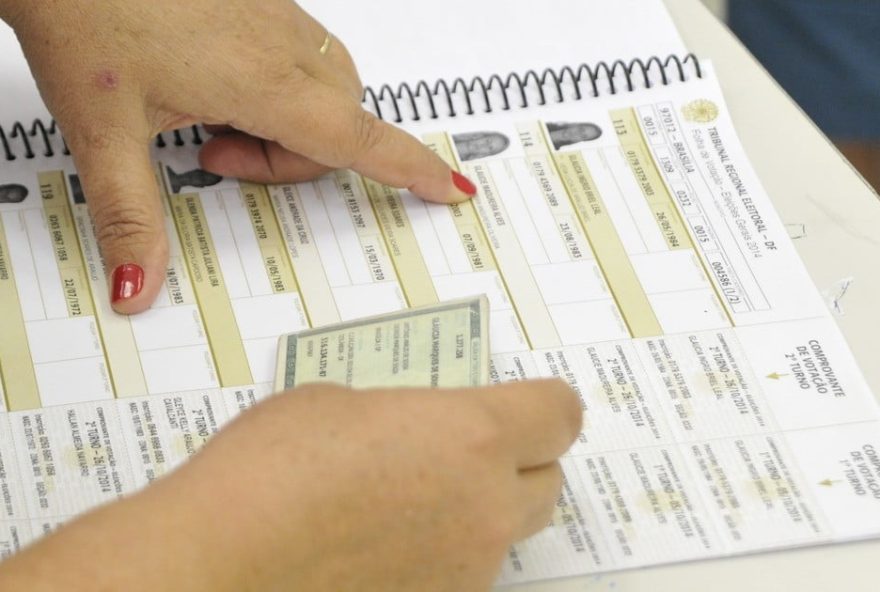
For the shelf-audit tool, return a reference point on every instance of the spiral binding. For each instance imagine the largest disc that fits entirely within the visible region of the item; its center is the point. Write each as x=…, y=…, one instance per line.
x=531, y=84
x=411, y=100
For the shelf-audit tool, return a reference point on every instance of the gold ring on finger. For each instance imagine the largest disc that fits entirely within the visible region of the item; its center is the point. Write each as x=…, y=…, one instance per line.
x=325, y=47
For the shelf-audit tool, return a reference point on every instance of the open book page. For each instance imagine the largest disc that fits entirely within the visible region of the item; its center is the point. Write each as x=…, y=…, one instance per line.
x=624, y=244
x=724, y=412
x=394, y=41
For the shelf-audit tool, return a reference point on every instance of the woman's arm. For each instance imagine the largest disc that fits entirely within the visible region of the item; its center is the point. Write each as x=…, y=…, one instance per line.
x=323, y=489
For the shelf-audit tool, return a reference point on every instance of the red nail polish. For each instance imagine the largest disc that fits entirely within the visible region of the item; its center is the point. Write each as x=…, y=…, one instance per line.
x=463, y=183
x=128, y=280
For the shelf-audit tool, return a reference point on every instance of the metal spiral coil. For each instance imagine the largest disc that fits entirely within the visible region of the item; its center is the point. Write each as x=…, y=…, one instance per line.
x=440, y=99
x=413, y=102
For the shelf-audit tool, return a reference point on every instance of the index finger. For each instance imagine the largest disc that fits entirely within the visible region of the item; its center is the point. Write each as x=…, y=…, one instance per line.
x=329, y=127
x=539, y=419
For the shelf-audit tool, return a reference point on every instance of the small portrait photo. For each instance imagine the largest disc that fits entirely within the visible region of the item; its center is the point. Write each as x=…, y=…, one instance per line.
x=566, y=133
x=12, y=193
x=76, y=190
x=477, y=145
x=196, y=178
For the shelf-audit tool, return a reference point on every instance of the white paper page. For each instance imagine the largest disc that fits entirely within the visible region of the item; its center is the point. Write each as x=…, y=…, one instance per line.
x=20, y=100
x=394, y=41
x=624, y=244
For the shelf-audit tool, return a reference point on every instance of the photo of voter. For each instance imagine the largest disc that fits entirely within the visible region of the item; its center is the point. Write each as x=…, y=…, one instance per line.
x=76, y=190
x=477, y=145
x=196, y=178
x=564, y=134
x=12, y=193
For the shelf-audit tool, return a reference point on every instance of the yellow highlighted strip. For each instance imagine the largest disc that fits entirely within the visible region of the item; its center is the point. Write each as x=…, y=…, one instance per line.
x=534, y=141
x=120, y=348
x=511, y=261
x=16, y=365
x=65, y=244
x=643, y=167
x=418, y=287
x=464, y=216
x=272, y=246
x=486, y=240
x=607, y=246
x=177, y=284
x=204, y=270
x=314, y=288
x=351, y=190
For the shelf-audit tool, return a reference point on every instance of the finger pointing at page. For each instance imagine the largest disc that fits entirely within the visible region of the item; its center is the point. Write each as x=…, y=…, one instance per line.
x=135, y=69
x=327, y=130
x=123, y=200
x=309, y=119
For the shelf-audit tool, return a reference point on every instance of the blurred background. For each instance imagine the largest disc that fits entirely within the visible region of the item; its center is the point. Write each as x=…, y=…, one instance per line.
x=719, y=7
x=826, y=55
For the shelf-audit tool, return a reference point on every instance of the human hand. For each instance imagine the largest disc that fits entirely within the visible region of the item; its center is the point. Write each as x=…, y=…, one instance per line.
x=387, y=489
x=116, y=73
x=326, y=489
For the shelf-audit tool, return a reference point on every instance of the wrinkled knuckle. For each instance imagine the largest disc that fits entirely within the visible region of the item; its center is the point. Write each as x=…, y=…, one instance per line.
x=119, y=223
x=369, y=133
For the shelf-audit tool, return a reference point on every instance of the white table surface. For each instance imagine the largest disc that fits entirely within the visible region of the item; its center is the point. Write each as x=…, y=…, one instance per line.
x=810, y=184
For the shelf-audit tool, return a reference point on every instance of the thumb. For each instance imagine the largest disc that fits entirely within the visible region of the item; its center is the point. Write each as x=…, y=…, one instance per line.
x=123, y=199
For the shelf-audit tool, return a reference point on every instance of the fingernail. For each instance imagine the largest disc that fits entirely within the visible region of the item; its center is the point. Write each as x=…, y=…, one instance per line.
x=128, y=280
x=463, y=184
